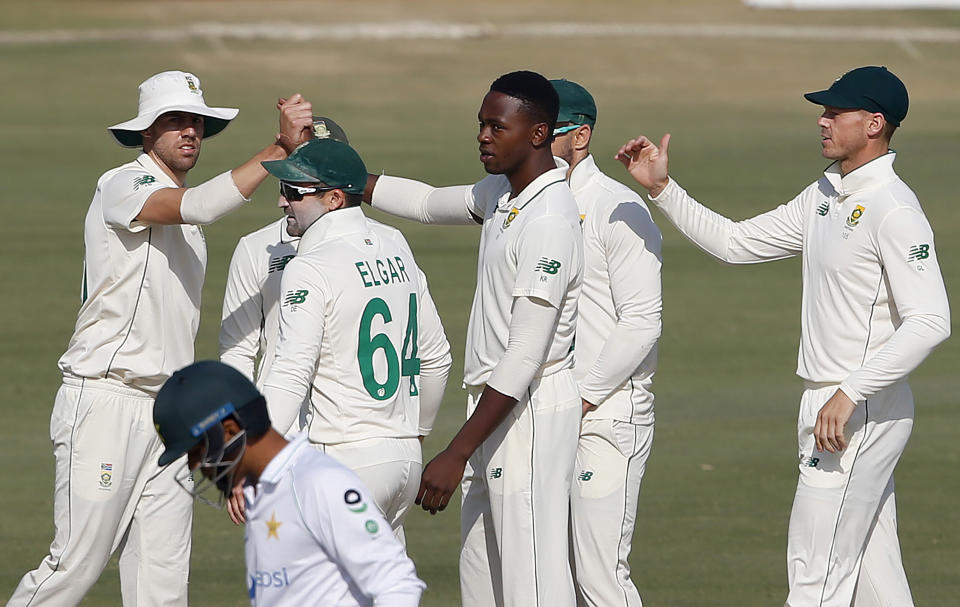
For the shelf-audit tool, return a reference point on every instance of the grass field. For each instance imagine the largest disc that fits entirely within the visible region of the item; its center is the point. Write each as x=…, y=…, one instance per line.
x=713, y=511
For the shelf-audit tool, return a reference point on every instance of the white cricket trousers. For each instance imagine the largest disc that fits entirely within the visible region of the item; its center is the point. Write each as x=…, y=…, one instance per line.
x=842, y=546
x=389, y=468
x=611, y=459
x=516, y=494
x=109, y=494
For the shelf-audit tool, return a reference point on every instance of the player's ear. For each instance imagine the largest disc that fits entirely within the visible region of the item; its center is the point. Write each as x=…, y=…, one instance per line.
x=876, y=124
x=581, y=138
x=540, y=134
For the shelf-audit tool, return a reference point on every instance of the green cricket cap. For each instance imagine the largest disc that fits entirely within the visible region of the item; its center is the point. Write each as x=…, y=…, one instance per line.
x=326, y=161
x=576, y=103
x=326, y=128
x=193, y=400
x=872, y=88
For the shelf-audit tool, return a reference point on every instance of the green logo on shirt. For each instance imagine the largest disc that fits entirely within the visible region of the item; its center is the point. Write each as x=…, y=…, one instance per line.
x=823, y=208
x=918, y=252
x=811, y=462
x=295, y=297
x=548, y=266
x=496, y=472
x=585, y=475
x=372, y=526
x=277, y=264
x=143, y=180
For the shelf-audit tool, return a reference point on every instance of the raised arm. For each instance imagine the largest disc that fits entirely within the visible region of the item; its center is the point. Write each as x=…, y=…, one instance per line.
x=421, y=202
x=211, y=200
x=777, y=234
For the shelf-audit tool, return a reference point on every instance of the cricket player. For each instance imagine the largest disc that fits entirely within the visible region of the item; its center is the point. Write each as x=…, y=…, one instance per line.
x=359, y=333
x=617, y=333
x=250, y=322
x=874, y=306
x=143, y=273
x=515, y=454
x=312, y=536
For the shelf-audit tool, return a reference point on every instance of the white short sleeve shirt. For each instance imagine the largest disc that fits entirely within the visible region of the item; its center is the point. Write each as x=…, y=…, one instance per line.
x=141, y=285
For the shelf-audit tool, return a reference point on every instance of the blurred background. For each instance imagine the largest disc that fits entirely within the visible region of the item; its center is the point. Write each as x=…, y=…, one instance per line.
x=405, y=80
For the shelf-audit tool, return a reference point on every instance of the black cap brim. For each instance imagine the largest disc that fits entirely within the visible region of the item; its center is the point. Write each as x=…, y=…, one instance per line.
x=831, y=99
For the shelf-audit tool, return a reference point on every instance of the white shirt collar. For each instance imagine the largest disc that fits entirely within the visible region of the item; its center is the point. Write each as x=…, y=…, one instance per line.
x=876, y=172
x=335, y=223
x=557, y=175
x=583, y=173
x=154, y=169
x=274, y=470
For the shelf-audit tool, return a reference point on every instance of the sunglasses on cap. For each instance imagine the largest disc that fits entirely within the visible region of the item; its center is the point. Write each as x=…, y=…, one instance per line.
x=560, y=130
x=295, y=193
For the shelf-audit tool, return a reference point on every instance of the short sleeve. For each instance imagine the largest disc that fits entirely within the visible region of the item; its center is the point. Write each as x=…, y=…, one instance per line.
x=546, y=256
x=123, y=196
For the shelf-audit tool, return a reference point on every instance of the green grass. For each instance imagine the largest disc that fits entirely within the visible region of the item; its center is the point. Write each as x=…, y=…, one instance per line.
x=713, y=511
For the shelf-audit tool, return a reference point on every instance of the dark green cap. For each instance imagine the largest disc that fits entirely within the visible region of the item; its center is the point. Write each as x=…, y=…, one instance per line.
x=195, y=399
x=576, y=103
x=871, y=88
x=327, y=161
x=326, y=128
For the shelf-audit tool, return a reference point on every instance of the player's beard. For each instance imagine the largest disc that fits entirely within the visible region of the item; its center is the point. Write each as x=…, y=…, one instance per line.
x=174, y=159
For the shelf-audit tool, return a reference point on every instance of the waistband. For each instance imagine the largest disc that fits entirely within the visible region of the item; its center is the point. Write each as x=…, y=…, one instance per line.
x=106, y=385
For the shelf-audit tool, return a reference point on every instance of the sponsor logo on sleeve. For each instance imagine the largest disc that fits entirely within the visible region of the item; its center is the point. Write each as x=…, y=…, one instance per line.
x=547, y=265
x=277, y=264
x=143, y=180
x=918, y=252
x=586, y=475
x=496, y=472
x=354, y=501
x=823, y=209
x=811, y=462
x=295, y=298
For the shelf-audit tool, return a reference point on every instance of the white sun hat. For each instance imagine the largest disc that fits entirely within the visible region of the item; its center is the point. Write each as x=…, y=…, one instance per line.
x=171, y=92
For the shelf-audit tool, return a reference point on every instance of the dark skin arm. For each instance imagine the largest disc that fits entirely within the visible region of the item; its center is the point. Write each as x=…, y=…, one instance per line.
x=442, y=475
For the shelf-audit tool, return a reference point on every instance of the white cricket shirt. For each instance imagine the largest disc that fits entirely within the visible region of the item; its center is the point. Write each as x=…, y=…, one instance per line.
x=357, y=323
x=620, y=304
x=141, y=285
x=250, y=323
x=874, y=305
x=530, y=246
x=315, y=537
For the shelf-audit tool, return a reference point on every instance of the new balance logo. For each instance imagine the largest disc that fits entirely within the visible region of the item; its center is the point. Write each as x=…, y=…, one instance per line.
x=823, y=208
x=918, y=252
x=143, y=180
x=277, y=264
x=295, y=297
x=585, y=475
x=496, y=472
x=811, y=462
x=547, y=266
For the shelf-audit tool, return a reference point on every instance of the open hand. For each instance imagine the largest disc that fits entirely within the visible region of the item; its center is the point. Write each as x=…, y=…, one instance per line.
x=646, y=162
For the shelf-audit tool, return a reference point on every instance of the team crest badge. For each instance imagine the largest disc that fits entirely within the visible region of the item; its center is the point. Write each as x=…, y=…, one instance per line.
x=106, y=475
x=855, y=216
x=320, y=130
x=192, y=85
x=510, y=217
